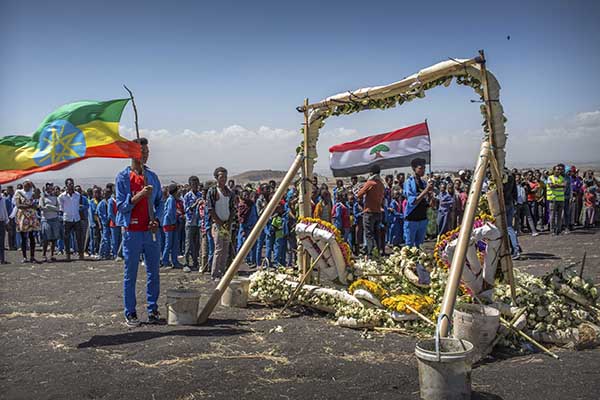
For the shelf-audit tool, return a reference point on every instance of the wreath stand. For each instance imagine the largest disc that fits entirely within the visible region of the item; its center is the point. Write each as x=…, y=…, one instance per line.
x=469, y=72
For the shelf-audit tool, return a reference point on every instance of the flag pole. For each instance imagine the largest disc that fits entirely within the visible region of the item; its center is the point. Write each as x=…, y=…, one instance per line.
x=137, y=134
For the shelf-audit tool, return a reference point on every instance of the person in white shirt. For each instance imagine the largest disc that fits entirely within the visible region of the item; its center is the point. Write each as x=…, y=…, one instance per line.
x=69, y=204
x=3, y=225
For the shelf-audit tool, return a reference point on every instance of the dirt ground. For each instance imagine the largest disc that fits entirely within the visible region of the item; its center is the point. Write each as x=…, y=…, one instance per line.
x=63, y=337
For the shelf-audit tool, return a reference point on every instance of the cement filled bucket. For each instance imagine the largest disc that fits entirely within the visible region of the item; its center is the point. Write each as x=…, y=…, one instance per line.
x=479, y=325
x=182, y=306
x=444, y=368
x=236, y=294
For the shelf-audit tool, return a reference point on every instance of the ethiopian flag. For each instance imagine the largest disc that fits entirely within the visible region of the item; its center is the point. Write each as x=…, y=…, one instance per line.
x=73, y=132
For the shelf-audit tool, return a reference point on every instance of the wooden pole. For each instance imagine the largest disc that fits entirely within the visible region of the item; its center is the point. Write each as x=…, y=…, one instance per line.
x=418, y=314
x=505, y=258
x=249, y=243
x=306, y=210
x=303, y=279
x=464, y=237
x=527, y=337
x=135, y=113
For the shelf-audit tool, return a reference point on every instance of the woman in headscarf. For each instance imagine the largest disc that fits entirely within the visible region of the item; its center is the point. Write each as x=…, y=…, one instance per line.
x=27, y=220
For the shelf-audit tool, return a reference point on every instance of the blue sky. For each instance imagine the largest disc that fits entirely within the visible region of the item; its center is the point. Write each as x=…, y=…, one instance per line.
x=220, y=82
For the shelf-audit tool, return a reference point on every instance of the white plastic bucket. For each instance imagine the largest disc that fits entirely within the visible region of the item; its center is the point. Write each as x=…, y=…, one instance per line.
x=445, y=373
x=182, y=306
x=478, y=324
x=236, y=294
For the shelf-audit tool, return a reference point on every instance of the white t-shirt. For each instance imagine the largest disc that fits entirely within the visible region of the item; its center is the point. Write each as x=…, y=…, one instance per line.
x=222, y=206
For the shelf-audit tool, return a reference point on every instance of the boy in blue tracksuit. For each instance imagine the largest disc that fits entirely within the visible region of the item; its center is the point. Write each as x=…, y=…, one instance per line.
x=138, y=197
x=247, y=218
x=264, y=194
x=350, y=205
x=357, y=212
x=269, y=241
x=159, y=217
x=115, y=229
x=341, y=217
x=396, y=218
x=169, y=226
x=102, y=213
x=95, y=226
x=277, y=233
x=210, y=242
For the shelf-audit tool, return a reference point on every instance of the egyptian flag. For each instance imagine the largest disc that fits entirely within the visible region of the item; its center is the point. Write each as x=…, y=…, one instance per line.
x=388, y=150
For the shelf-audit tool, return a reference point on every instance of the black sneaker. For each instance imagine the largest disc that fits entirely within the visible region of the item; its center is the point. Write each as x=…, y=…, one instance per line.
x=132, y=320
x=154, y=318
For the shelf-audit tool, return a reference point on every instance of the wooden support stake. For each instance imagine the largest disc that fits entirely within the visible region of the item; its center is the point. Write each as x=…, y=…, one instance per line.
x=303, y=280
x=418, y=314
x=249, y=242
x=510, y=324
x=528, y=338
x=464, y=237
x=306, y=210
x=497, y=177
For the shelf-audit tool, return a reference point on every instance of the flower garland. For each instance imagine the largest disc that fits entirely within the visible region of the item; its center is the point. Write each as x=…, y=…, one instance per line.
x=329, y=227
x=399, y=303
x=374, y=288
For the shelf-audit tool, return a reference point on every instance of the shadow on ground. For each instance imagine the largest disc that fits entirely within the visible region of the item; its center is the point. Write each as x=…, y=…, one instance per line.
x=214, y=328
x=539, y=256
x=485, y=396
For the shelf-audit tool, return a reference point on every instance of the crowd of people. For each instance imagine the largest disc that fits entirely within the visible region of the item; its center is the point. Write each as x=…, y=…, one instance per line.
x=199, y=227
x=372, y=214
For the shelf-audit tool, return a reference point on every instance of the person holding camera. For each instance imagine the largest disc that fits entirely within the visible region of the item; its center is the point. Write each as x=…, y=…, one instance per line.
x=417, y=193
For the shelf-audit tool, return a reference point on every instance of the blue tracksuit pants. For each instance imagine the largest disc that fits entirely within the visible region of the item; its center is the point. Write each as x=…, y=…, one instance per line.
x=171, y=248
x=105, y=242
x=414, y=232
x=259, y=246
x=241, y=238
x=269, y=245
x=134, y=245
x=115, y=240
x=280, y=250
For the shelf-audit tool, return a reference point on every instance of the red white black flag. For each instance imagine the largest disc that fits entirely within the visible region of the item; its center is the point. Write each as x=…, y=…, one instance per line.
x=388, y=150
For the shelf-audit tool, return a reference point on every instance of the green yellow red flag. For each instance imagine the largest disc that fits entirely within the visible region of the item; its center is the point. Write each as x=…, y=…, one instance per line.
x=73, y=132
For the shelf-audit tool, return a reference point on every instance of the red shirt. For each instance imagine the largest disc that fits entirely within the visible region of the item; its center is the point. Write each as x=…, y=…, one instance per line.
x=533, y=187
x=590, y=199
x=139, y=215
x=179, y=210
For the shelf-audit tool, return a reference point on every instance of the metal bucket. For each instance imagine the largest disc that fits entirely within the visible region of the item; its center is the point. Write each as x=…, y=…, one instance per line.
x=445, y=375
x=236, y=294
x=478, y=324
x=182, y=306
x=444, y=368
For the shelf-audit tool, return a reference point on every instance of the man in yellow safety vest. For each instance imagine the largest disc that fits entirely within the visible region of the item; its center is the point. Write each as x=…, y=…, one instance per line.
x=555, y=194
